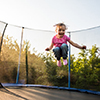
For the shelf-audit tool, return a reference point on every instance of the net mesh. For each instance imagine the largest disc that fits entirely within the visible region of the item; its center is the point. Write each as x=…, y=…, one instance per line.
x=40, y=66
x=88, y=37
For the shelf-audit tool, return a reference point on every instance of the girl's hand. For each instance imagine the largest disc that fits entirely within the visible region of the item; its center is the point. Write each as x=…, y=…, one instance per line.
x=47, y=49
x=83, y=47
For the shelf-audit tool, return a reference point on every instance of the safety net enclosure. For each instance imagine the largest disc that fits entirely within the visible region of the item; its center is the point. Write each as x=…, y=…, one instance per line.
x=23, y=58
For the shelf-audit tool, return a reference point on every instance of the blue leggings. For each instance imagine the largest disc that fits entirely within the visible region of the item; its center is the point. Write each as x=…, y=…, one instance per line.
x=61, y=51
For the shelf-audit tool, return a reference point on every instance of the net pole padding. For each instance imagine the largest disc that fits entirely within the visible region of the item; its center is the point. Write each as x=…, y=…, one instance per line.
x=69, y=63
x=2, y=37
x=19, y=56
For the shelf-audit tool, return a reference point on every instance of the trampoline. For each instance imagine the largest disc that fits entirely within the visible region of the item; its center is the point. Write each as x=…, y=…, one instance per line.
x=18, y=91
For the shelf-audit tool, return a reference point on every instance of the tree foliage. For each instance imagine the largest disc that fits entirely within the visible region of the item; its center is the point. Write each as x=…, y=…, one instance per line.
x=42, y=68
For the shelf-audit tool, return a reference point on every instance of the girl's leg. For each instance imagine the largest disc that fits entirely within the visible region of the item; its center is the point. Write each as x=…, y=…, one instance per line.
x=64, y=49
x=57, y=53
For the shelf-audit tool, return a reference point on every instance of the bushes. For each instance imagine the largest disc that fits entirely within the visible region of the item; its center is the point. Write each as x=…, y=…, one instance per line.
x=42, y=68
x=85, y=70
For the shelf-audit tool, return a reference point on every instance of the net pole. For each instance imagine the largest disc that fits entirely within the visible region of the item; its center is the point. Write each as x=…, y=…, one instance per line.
x=26, y=62
x=2, y=37
x=19, y=56
x=69, y=63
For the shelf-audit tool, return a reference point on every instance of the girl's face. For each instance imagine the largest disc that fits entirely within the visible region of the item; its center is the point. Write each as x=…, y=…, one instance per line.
x=60, y=31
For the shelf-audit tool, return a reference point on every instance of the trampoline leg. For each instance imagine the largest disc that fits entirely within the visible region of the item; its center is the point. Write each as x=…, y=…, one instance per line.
x=1, y=86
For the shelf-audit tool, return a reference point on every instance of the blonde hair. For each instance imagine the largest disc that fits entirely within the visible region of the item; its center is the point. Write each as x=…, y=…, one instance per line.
x=60, y=24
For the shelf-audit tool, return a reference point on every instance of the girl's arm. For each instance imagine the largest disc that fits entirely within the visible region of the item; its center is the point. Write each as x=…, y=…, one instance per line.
x=49, y=48
x=76, y=45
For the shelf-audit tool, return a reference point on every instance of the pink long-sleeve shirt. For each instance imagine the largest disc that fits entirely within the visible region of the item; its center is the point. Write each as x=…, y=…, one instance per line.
x=59, y=41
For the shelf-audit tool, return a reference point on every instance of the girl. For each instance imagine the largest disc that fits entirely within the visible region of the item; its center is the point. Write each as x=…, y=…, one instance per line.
x=60, y=43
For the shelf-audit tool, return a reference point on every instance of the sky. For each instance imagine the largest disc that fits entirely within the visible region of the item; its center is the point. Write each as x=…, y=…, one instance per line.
x=43, y=14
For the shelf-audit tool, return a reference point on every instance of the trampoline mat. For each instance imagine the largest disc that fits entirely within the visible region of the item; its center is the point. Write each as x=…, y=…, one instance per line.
x=35, y=93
